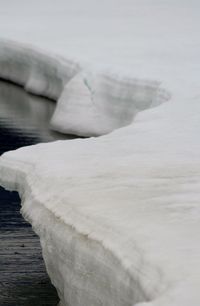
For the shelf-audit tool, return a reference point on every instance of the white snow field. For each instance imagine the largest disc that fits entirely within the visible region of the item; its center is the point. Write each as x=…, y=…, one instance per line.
x=117, y=215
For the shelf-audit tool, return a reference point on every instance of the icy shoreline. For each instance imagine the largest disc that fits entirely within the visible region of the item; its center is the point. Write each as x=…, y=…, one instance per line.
x=144, y=274
x=97, y=263
x=51, y=77
x=40, y=73
x=104, y=101
x=120, y=232
x=120, y=226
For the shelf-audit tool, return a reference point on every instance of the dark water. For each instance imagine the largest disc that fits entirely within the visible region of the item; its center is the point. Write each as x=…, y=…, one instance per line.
x=24, y=120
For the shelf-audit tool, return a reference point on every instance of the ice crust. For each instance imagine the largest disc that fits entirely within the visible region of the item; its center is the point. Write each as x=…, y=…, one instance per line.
x=117, y=215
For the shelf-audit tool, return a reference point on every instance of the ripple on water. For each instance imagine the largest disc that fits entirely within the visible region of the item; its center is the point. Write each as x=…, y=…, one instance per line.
x=24, y=120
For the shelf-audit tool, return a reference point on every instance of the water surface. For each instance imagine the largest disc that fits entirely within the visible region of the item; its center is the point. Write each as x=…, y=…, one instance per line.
x=24, y=120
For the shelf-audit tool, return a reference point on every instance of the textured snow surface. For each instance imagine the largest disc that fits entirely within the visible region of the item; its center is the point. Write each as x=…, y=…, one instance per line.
x=117, y=215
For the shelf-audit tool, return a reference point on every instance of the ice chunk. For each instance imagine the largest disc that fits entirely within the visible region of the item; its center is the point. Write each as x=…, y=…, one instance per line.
x=96, y=104
x=38, y=72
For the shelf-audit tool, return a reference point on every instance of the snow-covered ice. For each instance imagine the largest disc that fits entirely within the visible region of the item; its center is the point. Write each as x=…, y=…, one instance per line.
x=117, y=215
x=37, y=71
x=90, y=102
x=92, y=105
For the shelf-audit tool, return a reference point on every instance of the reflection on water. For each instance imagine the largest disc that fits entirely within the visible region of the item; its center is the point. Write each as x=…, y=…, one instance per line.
x=25, y=114
x=24, y=120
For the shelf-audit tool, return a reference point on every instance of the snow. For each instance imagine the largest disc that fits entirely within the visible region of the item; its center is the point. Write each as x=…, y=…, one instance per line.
x=117, y=215
x=104, y=101
x=38, y=72
x=92, y=105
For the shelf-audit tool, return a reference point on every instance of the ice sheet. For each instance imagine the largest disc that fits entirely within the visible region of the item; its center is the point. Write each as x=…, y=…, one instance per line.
x=134, y=193
x=118, y=215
